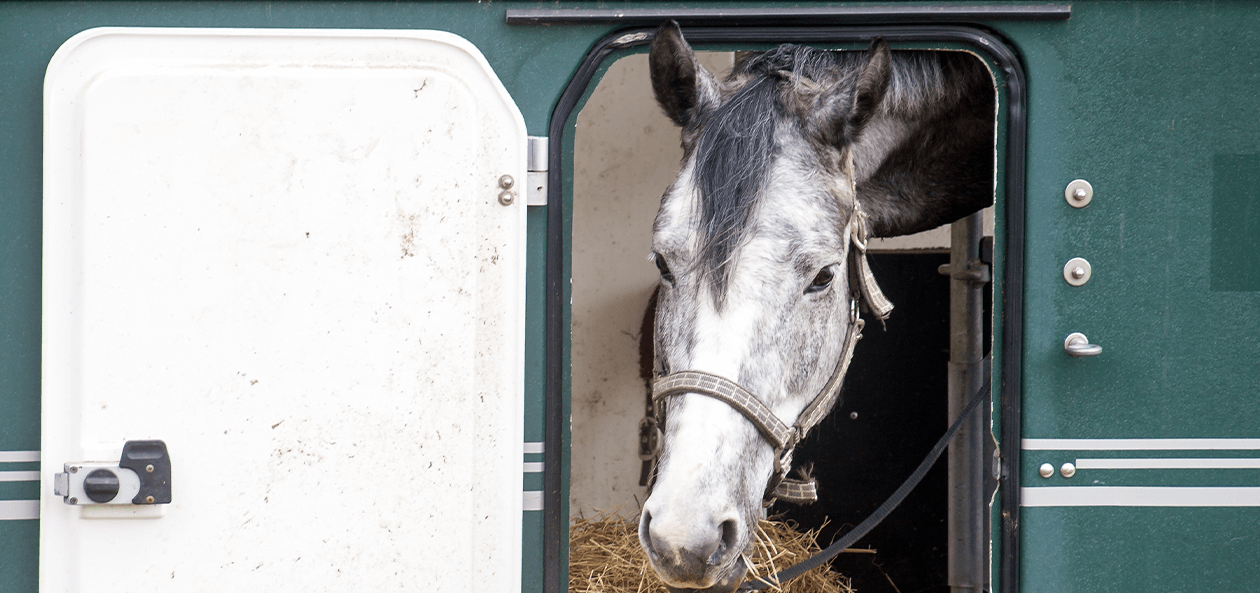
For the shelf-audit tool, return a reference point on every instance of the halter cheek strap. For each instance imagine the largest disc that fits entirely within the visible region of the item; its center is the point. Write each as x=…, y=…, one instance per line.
x=863, y=291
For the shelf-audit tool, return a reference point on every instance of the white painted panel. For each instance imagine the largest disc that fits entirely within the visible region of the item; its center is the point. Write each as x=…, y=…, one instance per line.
x=1170, y=463
x=1139, y=496
x=1140, y=444
x=283, y=253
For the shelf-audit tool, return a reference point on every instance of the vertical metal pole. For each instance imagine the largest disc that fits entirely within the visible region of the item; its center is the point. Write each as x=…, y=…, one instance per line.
x=968, y=509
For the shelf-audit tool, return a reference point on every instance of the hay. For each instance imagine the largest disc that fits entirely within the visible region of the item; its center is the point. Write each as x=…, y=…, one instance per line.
x=605, y=557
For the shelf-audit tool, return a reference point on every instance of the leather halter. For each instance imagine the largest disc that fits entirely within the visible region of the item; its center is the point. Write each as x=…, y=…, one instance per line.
x=863, y=291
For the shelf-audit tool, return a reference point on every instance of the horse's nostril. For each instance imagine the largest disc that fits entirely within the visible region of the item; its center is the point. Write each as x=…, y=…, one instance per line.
x=645, y=535
x=730, y=535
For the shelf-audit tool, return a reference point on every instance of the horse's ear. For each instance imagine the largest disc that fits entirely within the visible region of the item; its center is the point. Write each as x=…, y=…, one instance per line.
x=871, y=86
x=683, y=88
x=842, y=113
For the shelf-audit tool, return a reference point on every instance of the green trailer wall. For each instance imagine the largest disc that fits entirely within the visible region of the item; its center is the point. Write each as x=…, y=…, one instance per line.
x=1157, y=104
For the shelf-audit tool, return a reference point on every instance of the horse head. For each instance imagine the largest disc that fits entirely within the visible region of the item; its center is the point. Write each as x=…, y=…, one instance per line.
x=781, y=178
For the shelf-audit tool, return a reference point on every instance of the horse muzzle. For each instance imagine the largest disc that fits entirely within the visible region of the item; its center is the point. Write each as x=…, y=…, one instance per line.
x=726, y=584
x=709, y=563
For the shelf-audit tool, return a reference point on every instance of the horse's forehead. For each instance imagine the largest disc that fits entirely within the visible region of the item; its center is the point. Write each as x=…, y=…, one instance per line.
x=794, y=210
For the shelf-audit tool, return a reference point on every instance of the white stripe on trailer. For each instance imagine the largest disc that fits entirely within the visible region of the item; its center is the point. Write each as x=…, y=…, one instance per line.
x=31, y=476
x=18, y=456
x=1170, y=463
x=533, y=447
x=1140, y=444
x=1139, y=496
x=19, y=510
x=533, y=500
x=533, y=467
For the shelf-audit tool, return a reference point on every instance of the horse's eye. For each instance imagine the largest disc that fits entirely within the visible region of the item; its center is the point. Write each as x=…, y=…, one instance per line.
x=822, y=280
x=664, y=269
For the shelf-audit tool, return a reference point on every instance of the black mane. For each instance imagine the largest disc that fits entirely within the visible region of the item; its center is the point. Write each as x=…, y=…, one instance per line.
x=733, y=156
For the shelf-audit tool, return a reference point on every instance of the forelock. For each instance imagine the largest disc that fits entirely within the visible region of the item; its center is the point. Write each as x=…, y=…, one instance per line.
x=732, y=162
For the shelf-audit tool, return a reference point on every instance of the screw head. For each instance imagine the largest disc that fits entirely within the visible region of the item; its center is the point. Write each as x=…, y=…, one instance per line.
x=149, y=468
x=1077, y=271
x=74, y=469
x=1068, y=470
x=506, y=197
x=1046, y=470
x=853, y=415
x=1078, y=193
x=74, y=500
x=506, y=182
x=148, y=499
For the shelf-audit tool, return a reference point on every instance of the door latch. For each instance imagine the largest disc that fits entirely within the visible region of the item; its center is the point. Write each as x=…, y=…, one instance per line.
x=141, y=477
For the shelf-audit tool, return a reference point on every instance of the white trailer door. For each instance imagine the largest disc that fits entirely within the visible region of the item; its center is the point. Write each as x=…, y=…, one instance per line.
x=284, y=253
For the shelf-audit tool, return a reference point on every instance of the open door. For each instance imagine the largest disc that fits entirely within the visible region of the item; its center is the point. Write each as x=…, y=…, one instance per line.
x=296, y=259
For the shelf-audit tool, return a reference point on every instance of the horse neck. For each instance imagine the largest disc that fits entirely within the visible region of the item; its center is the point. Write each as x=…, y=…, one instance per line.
x=925, y=156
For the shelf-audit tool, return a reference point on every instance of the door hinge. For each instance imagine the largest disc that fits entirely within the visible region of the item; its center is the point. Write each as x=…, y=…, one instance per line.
x=536, y=184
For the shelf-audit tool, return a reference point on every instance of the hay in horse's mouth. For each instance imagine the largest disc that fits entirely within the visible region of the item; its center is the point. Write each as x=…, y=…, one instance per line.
x=605, y=557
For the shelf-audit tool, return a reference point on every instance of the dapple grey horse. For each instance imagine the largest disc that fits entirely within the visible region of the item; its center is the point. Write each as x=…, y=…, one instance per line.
x=788, y=164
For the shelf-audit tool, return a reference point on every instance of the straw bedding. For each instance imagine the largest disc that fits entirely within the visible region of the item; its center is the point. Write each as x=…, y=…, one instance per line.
x=605, y=557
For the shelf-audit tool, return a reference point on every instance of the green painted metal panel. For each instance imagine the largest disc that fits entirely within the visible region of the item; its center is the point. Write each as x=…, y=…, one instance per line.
x=1154, y=103
x=1140, y=99
x=1125, y=550
x=1235, y=222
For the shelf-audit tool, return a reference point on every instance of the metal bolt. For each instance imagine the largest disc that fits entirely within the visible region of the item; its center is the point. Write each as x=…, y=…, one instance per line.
x=1068, y=470
x=506, y=197
x=506, y=182
x=1078, y=193
x=149, y=468
x=74, y=469
x=74, y=500
x=1046, y=470
x=852, y=415
x=148, y=499
x=1077, y=271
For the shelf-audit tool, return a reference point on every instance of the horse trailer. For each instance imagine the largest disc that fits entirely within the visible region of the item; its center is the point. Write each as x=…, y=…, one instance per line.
x=338, y=295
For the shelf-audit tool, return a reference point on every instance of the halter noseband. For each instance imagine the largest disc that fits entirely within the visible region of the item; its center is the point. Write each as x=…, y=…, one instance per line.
x=862, y=291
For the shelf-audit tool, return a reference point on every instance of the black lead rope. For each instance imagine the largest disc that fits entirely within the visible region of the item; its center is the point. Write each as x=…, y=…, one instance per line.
x=884, y=509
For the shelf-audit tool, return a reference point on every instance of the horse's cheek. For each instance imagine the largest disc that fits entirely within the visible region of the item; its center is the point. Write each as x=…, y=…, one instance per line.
x=816, y=327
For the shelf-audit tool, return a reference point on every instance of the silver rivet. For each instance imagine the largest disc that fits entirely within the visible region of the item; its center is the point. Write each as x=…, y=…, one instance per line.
x=506, y=197
x=1077, y=271
x=149, y=468
x=852, y=415
x=1046, y=470
x=506, y=182
x=1078, y=193
x=1068, y=470
x=148, y=499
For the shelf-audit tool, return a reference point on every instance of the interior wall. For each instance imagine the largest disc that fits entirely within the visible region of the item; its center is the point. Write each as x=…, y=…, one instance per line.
x=626, y=153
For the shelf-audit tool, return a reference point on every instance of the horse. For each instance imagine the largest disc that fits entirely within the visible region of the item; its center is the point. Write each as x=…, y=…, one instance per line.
x=789, y=164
